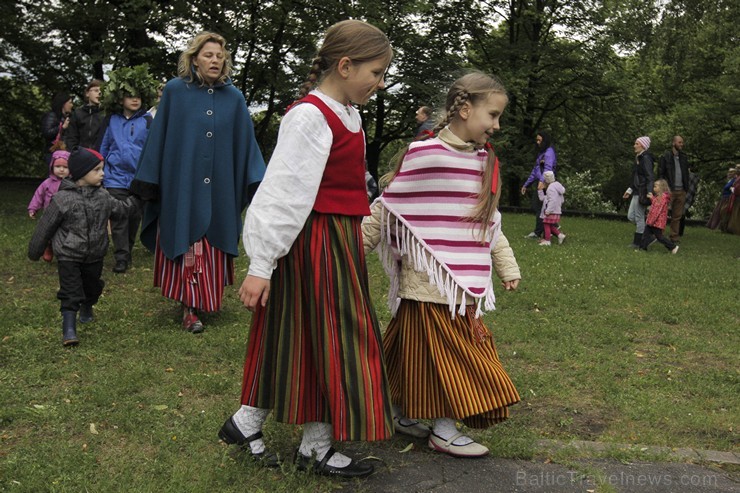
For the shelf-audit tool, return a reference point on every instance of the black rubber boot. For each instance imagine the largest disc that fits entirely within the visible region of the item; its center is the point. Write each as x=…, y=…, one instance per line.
x=86, y=314
x=69, y=328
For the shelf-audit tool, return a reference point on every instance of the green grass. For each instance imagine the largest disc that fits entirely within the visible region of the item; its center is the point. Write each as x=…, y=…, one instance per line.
x=603, y=343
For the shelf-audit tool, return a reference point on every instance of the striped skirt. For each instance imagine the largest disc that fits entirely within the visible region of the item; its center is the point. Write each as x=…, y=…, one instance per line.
x=197, y=278
x=314, y=352
x=443, y=367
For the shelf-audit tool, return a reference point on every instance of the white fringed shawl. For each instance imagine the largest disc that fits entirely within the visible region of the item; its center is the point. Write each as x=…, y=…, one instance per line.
x=425, y=219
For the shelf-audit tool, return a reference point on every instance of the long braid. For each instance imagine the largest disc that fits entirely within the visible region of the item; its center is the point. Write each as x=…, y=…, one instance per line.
x=461, y=98
x=313, y=77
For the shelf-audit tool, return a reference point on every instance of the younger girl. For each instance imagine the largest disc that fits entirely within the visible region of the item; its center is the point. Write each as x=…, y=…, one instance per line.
x=551, y=195
x=437, y=226
x=314, y=354
x=658, y=216
x=58, y=170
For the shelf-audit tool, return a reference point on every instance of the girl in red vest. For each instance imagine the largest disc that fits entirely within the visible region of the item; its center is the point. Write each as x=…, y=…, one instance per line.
x=314, y=355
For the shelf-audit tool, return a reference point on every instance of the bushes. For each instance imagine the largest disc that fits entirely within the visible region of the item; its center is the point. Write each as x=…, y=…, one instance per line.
x=582, y=193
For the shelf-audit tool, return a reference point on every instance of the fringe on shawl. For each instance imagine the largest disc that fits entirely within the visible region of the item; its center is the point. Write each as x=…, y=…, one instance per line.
x=415, y=252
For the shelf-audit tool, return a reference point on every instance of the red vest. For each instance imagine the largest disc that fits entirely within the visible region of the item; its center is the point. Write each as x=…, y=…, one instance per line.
x=342, y=190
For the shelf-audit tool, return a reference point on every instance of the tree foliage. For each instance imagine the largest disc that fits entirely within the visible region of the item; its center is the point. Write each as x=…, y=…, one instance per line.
x=596, y=73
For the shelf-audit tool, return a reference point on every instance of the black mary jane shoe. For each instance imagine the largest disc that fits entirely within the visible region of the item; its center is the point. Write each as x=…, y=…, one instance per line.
x=355, y=469
x=231, y=435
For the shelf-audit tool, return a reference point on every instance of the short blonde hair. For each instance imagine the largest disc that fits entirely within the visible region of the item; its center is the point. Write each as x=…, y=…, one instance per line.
x=663, y=186
x=185, y=67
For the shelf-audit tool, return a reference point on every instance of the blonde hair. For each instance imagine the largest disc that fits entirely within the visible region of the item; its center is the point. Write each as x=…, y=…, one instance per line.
x=663, y=186
x=475, y=87
x=359, y=41
x=185, y=68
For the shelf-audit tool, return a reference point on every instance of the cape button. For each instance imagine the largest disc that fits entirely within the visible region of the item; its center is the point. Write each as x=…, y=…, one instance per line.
x=206, y=181
x=209, y=112
x=210, y=91
x=209, y=134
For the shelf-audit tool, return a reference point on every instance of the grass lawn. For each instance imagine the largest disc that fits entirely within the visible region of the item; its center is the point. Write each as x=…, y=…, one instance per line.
x=603, y=343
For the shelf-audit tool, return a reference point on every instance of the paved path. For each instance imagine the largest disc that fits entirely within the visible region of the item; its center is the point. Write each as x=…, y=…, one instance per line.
x=420, y=470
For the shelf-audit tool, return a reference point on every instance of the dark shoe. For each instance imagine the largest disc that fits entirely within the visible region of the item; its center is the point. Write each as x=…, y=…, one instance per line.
x=86, y=314
x=231, y=435
x=69, y=328
x=120, y=267
x=355, y=469
x=191, y=322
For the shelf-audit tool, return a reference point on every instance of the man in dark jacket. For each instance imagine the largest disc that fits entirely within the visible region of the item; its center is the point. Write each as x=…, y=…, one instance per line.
x=86, y=122
x=673, y=167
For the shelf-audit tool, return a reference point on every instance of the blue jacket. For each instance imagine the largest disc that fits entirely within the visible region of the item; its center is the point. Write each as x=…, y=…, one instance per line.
x=546, y=161
x=121, y=147
x=203, y=157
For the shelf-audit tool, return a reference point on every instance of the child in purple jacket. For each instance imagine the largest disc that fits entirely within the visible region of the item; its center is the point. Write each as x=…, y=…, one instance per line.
x=551, y=194
x=58, y=170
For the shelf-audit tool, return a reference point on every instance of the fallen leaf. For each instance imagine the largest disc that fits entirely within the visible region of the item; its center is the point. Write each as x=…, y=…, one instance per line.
x=639, y=354
x=408, y=447
x=180, y=394
x=84, y=447
x=169, y=370
x=92, y=429
x=160, y=407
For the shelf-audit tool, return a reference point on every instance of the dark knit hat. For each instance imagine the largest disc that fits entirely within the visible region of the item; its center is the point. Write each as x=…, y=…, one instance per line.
x=81, y=161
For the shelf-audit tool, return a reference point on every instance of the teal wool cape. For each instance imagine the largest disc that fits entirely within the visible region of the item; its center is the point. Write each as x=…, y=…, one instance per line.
x=202, y=156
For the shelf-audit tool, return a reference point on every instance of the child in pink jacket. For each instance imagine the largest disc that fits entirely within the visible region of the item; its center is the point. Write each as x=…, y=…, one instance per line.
x=552, y=196
x=58, y=170
x=658, y=216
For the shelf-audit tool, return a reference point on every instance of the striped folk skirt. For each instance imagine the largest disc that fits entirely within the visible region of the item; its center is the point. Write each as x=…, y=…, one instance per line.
x=314, y=352
x=197, y=278
x=443, y=367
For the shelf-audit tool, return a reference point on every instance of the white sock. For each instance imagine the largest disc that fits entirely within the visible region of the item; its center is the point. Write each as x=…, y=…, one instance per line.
x=317, y=440
x=249, y=420
x=446, y=428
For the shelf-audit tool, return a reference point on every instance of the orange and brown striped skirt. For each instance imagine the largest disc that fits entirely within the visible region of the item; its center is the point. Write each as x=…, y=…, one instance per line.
x=314, y=352
x=443, y=367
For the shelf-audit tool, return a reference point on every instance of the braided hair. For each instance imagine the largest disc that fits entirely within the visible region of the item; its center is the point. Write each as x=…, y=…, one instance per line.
x=359, y=41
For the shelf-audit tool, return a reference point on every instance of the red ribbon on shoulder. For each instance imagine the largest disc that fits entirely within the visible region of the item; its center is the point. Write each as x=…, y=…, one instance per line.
x=494, y=179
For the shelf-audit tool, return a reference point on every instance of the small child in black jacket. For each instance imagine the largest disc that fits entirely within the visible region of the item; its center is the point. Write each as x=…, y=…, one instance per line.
x=76, y=223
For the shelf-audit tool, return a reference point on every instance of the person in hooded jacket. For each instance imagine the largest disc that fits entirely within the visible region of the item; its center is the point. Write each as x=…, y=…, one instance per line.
x=546, y=161
x=551, y=194
x=55, y=123
x=85, y=123
x=121, y=147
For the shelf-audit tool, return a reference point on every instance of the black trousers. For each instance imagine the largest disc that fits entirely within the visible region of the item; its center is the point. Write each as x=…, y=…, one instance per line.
x=79, y=283
x=124, y=229
x=658, y=234
x=539, y=228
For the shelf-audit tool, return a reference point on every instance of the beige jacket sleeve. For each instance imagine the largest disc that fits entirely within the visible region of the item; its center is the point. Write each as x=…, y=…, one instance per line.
x=371, y=227
x=504, y=261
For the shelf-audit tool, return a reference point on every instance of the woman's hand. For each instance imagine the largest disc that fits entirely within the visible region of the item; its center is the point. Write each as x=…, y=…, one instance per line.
x=254, y=290
x=524, y=190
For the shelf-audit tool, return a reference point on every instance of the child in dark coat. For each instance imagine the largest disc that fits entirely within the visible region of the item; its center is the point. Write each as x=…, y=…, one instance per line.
x=76, y=223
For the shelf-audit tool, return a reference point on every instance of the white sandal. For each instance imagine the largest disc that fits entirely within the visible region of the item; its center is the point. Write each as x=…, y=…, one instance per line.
x=470, y=450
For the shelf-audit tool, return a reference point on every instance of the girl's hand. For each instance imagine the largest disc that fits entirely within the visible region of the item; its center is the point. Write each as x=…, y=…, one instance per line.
x=254, y=290
x=626, y=195
x=511, y=285
x=32, y=214
x=650, y=195
x=524, y=190
x=541, y=185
